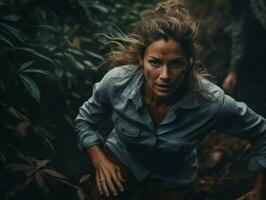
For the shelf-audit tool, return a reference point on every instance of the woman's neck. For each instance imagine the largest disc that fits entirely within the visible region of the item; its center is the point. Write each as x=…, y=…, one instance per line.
x=152, y=99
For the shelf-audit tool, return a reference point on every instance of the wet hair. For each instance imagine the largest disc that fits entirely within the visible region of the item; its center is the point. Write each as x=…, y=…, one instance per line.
x=168, y=20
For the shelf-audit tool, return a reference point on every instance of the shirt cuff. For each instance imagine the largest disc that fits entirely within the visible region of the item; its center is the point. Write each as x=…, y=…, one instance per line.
x=257, y=163
x=89, y=141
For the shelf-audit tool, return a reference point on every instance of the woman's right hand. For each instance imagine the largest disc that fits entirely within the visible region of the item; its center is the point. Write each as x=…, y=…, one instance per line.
x=230, y=82
x=108, y=175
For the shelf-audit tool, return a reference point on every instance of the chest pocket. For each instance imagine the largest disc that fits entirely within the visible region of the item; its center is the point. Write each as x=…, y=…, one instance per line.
x=176, y=149
x=128, y=134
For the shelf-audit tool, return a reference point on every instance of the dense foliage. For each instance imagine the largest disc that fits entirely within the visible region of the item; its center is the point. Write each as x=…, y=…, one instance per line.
x=50, y=53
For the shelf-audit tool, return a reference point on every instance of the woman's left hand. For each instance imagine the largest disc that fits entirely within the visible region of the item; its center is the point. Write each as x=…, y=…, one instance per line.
x=255, y=194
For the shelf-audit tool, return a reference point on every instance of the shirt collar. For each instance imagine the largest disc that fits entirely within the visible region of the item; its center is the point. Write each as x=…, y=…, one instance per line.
x=133, y=89
x=188, y=100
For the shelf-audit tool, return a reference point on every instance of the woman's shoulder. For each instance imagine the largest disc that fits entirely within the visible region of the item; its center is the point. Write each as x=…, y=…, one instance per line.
x=122, y=72
x=209, y=91
x=119, y=77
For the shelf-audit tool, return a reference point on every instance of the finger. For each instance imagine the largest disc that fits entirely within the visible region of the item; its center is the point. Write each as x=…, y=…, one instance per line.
x=99, y=183
x=105, y=188
x=226, y=86
x=104, y=185
x=110, y=184
x=243, y=197
x=118, y=180
x=119, y=174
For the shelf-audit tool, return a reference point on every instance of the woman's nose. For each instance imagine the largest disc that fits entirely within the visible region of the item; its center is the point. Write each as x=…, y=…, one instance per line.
x=165, y=73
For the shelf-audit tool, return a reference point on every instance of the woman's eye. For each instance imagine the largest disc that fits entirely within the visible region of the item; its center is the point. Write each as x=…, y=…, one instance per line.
x=154, y=62
x=177, y=64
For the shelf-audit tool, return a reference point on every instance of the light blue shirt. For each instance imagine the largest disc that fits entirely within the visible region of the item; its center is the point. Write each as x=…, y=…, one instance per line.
x=166, y=152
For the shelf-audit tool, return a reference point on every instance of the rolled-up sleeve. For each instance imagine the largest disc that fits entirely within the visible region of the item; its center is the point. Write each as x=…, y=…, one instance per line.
x=237, y=119
x=93, y=111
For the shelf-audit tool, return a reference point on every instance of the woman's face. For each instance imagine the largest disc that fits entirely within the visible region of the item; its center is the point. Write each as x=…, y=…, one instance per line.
x=165, y=65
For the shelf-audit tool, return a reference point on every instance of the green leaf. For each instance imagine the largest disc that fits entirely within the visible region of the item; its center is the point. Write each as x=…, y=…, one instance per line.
x=11, y=17
x=15, y=32
x=73, y=61
x=82, y=195
x=28, y=159
x=31, y=86
x=74, y=51
x=54, y=174
x=92, y=54
x=26, y=65
x=90, y=66
x=3, y=39
x=40, y=180
x=58, y=54
x=48, y=28
x=15, y=113
x=67, y=183
x=22, y=128
x=80, y=66
x=17, y=167
x=39, y=71
x=42, y=163
x=84, y=179
x=70, y=58
x=88, y=63
x=100, y=8
x=32, y=51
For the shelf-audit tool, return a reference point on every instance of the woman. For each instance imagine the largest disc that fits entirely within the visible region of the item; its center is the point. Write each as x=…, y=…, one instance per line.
x=162, y=107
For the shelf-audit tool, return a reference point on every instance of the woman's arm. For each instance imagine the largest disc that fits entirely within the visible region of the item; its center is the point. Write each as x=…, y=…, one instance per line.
x=96, y=109
x=260, y=183
x=257, y=193
x=237, y=119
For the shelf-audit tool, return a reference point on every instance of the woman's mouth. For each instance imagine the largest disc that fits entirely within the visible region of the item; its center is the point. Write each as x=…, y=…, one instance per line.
x=164, y=87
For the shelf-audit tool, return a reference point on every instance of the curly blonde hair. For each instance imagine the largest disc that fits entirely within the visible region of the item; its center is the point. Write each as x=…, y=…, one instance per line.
x=168, y=20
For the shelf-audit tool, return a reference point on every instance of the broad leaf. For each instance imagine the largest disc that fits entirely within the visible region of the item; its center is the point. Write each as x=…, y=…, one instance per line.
x=67, y=183
x=42, y=163
x=73, y=61
x=22, y=128
x=74, y=51
x=100, y=8
x=46, y=141
x=32, y=51
x=6, y=41
x=82, y=195
x=84, y=178
x=26, y=65
x=38, y=71
x=48, y=28
x=54, y=174
x=95, y=55
x=28, y=159
x=16, y=114
x=80, y=66
x=18, y=167
x=31, y=87
x=13, y=31
x=41, y=182
x=11, y=17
